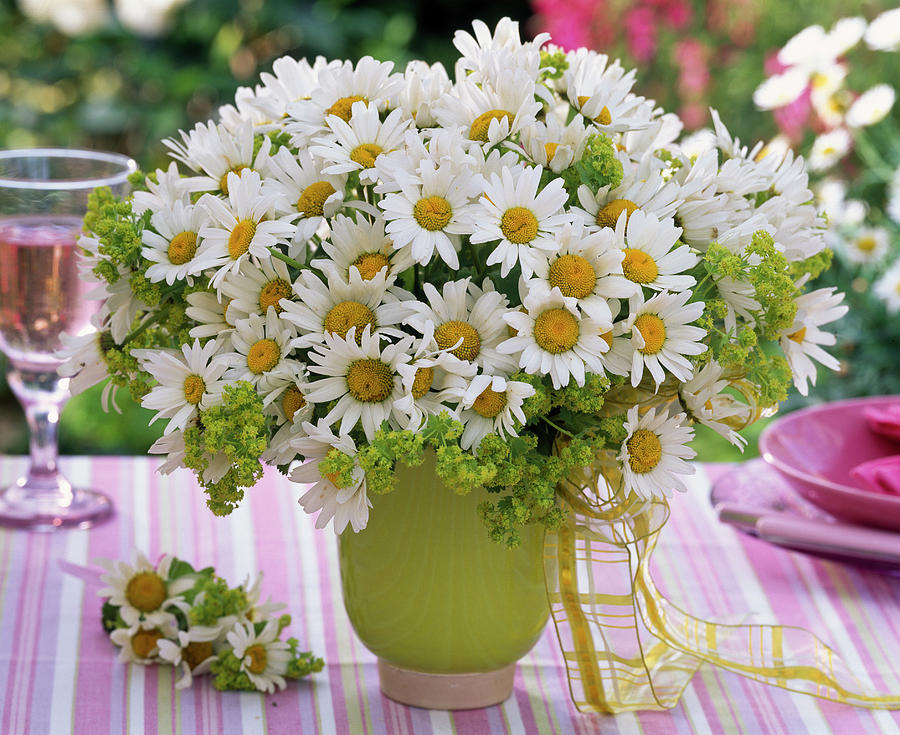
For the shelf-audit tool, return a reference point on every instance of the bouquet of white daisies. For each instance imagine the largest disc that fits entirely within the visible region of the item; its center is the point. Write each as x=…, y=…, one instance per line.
x=516, y=268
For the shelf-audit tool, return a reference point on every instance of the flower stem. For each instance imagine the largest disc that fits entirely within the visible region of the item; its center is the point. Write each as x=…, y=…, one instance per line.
x=276, y=253
x=558, y=428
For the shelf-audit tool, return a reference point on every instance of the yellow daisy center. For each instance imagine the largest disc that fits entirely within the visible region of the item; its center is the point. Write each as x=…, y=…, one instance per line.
x=519, y=225
x=145, y=591
x=609, y=215
x=866, y=244
x=144, y=641
x=365, y=154
x=644, y=450
x=798, y=336
x=489, y=403
x=343, y=108
x=292, y=401
x=550, y=150
x=607, y=337
x=240, y=238
x=346, y=315
x=370, y=380
x=312, y=201
x=480, y=126
x=604, y=118
x=582, y=100
x=556, y=330
x=432, y=213
x=449, y=333
x=223, y=182
x=196, y=652
x=639, y=267
x=273, y=292
x=422, y=381
x=653, y=330
x=259, y=658
x=370, y=264
x=263, y=356
x=193, y=389
x=182, y=248
x=573, y=275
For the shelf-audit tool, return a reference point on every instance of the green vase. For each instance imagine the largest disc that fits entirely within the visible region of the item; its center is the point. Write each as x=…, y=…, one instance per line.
x=447, y=611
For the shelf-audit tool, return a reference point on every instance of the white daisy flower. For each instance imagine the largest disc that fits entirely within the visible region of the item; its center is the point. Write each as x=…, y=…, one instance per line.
x=654, y=452
x=139, y=644
x=343, y=505
x=172, y=445
x=554, y=144
x=191, y=651
x=465, y=321
x=601, y=92
x=210, y=313
x=705, y=399
x=355, y=146
x=290, y=410
x=264, y=658
x=868, y=245
x=291, y=79
x=255, y=287
x=883, y=33
x=430, y=213
x=521, y=218
x=187, y=383
x=143, y=591
x=800, y=342
x=653, y=257
x=871, y=106
x=831, y=194
x=337, y=306
x=172, y=245
x=738, y=296
x=82, y=357
x=261, y=348
x=362, y=245
x=491, y=404
x=661, y=337
x=170, y=187
x=552, y=339
x=362, y=377
x=829, y=148
x=887, y=288
x=588, y=268
x=814, y=48
x=424, y=86
x=302, y=187
x=779, y=90
x=481, y=51
x=892, y=208
x=243, y=225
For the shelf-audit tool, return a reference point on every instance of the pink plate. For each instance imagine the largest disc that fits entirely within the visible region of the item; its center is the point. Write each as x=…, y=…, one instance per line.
x=815, y=448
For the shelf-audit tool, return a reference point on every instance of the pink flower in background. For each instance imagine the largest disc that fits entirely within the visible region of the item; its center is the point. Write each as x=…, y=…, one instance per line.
x=567, y=21
x=676, y=13
x=690, y=55
x=640, y=30
x=793, y=118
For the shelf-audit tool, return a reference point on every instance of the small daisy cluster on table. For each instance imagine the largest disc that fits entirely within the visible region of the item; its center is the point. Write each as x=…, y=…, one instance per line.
x=170, y=613
x=513, y=270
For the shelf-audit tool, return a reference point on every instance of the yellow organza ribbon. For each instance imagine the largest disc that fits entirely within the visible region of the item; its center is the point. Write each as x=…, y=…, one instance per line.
x=626, y=646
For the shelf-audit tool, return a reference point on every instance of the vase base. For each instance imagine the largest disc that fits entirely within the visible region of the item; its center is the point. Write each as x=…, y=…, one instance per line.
x=446, y=691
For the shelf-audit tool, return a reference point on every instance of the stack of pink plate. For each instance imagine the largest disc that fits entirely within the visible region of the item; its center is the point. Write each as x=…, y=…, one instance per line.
x=802, y=494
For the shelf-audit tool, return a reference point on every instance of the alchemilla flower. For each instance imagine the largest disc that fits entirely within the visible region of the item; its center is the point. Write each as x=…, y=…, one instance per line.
x=512, y=269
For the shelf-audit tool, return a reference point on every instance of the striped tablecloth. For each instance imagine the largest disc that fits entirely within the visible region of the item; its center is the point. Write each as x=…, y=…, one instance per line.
x=59, y=674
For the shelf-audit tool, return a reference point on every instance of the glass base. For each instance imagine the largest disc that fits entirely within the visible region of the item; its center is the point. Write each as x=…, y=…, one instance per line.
x=21, y=507
x=446, y=691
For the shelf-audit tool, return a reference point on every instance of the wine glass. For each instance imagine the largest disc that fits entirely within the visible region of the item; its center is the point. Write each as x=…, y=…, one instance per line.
x=43, y=199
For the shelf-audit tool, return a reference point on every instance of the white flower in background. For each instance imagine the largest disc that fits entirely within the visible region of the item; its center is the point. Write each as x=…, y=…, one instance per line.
x=143, y=591
x=887, y=288
x=829, y=148
x=661, y=336
x=654, y=453
x=705, y=399
x=347, y=504
x=466, y=321
x=149, y=18
x=491, y=404
x=187, y=382
x=779, y=90
x=871, y=106
x=356, y=145
x=191, y=651
x=72, y=17
x=522, y=219
x=174, y=245
x=801, y=341
x=256, y=287
x=813, y=48
x=362, y=377
x=883, y=33
x=264, y=658
x=242, y=226
x=868, y=245
x=892, y=209
x=262, y=345
x=831, y=194
x=431, y=212
x=362, y=244
x=553, y=339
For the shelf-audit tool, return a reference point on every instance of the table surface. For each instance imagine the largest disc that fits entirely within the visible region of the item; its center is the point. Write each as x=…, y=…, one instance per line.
x=59, y=673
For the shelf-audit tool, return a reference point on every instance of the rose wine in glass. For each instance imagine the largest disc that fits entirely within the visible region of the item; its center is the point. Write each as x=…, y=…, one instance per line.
x=43, y=198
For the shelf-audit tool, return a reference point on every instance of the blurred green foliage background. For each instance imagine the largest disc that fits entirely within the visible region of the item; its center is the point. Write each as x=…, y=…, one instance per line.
x=120, y=87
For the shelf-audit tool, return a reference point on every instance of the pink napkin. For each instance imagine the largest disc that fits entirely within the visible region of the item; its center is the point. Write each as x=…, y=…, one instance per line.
x=884, y=421
x=880, y=475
